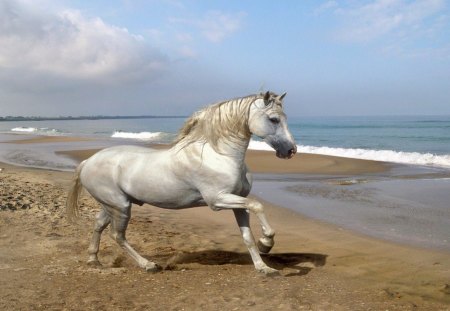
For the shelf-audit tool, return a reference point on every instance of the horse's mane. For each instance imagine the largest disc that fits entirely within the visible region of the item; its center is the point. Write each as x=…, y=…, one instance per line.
x=224, y=119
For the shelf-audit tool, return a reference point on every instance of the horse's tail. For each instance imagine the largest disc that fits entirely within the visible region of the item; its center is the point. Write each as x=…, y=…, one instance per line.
x=72, y=209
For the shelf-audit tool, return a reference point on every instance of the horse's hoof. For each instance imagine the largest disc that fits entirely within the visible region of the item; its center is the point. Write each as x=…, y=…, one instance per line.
x=152, y=267
x=268, y=271
x=264, y=247
x=94, y=263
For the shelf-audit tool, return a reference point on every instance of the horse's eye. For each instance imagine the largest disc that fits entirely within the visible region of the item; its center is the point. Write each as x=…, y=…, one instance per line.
x=274, y=120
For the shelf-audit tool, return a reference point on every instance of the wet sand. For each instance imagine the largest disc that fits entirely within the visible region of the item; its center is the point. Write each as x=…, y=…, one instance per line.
x=409, y=211
x=49, y=139
x=207, y=267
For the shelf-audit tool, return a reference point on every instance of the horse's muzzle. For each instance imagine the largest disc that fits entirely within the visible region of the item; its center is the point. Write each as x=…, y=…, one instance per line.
x=286, y=154
x=292, y=152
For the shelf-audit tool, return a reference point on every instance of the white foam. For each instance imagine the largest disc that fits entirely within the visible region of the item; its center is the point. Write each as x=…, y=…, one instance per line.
x=415, y=158
x=24, y=129
x=48, y=131
x=258, y=145
x=139, y=135
x=32, y=130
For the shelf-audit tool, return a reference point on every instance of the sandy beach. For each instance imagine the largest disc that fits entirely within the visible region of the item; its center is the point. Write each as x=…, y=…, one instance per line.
x=206, y=265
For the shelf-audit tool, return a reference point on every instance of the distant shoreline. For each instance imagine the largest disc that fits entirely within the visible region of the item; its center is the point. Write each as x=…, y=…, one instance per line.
x=18, y=118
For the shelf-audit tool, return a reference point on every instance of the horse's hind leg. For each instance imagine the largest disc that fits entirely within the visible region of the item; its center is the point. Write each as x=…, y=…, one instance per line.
x=119, y=223
x=102, y=221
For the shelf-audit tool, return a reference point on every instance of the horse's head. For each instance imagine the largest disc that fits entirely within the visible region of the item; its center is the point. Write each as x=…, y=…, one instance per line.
x=268, y=121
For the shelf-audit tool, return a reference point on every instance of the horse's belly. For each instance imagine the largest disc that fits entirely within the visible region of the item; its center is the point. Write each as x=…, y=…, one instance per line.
x=174, y=200
x=163, y=191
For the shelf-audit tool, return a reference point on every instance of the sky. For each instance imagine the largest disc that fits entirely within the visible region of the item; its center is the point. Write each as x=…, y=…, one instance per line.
x=170, y=57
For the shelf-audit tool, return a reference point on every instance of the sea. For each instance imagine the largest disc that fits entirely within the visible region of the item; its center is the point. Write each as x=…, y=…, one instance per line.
x=417, y=140
x=410, y=204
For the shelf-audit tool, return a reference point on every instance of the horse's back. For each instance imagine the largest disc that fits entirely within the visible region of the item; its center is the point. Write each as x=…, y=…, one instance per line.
x=124, y=150
x=115, y=156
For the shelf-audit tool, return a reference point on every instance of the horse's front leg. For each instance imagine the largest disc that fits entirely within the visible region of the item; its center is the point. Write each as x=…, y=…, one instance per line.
x=265, y=243
x=240, y=207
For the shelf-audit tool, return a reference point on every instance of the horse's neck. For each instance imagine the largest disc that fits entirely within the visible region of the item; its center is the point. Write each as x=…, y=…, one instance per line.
x=236, y=143
x=233, y=147
x=213, y=128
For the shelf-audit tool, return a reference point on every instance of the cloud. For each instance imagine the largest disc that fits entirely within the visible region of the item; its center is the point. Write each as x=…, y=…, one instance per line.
x=400, y=28
x=187, y=52
x=325, y=7
x=381, y=18
x=215, y=26
x=58, y=61
x=68, y=45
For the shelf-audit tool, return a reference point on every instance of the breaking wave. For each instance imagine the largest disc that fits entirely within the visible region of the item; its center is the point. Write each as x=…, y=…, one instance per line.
x=24, y=129
x=34, y=130
x=140, y=135
x=415, y=158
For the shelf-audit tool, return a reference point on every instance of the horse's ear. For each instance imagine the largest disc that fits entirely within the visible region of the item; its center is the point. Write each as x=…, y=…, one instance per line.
x=266, y=96
x=282, y=96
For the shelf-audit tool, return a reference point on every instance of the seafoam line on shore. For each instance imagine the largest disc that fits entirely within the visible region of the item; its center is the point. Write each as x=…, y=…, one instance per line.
x=415, y=158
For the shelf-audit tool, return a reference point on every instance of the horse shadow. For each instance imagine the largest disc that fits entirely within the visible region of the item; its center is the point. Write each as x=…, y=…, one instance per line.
x=297, y=263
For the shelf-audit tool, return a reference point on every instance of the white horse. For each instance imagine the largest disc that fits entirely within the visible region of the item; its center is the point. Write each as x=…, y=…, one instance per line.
x=205, y=166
